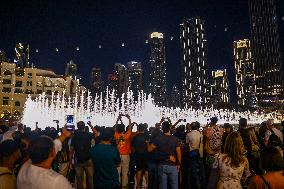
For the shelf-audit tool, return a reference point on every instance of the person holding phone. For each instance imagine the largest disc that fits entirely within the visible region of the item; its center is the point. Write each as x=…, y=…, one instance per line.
x=80, y=147
x=123, y=140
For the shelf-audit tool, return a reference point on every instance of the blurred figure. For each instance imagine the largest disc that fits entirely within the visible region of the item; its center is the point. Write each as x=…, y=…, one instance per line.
x=80, y=148
x=139, y=146
x=9, y=155
x=273, y=136
x=37, y=173
x=227, y=130
x=232, y=164
x=168, y=154
x=194, y=139
x=106, y=158
x=273, y=164
x=123, y=140
x=152, y=162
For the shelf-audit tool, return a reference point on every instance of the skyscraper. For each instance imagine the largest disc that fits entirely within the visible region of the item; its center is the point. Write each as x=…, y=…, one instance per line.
x=194, y=63
x=175, y=97
x=220, y=92
x=266, y=49
x=245, y=72
x=158, y=68
x=135, y=77
x=22, y=55
x=96, y=80
x=71, y=69
x=122, y=79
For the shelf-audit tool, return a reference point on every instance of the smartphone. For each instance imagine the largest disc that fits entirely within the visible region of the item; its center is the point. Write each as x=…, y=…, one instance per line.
x=70, y=123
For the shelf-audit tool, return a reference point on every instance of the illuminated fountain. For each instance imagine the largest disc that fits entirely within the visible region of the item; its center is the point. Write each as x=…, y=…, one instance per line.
x=103, y=110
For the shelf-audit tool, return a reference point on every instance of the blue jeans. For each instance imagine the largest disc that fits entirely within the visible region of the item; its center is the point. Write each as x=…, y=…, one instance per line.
x=168, y=173
x=153, y=175
x=196, y=169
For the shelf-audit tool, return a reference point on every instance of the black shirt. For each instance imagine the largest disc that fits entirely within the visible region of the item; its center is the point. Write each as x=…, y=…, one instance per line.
x=166, y=147
x=82, y=144
x=139, y=143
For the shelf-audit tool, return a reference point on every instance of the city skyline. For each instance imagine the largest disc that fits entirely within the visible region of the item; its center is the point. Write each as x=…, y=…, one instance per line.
x=122, y=46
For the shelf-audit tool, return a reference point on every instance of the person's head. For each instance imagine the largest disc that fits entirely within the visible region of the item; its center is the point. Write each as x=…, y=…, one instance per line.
x=228, y=128
x=107, y=134
x=166, y=127
x=155, y=132
x=195, y=125
x=157, y=125
x=146, y=126
x=120, y=128
x=97, y=128
x=270, y=123
x=271, y=159
x=81, y=126
x=234, y=148
x=41, y=150
x=141, y=128
x=181, y=129
x=188, y=127
x=20, y=127
x=243, y=123
x=213, y=120
x=9, y=153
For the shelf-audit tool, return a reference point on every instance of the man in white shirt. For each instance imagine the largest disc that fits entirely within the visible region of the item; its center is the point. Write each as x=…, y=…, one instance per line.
x=195, y=141
x=36, y=173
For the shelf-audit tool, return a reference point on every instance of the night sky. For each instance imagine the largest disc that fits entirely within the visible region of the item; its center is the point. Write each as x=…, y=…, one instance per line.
x=47, y=25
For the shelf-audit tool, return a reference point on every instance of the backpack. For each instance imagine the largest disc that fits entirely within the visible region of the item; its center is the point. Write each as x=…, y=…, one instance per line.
x=216, y=139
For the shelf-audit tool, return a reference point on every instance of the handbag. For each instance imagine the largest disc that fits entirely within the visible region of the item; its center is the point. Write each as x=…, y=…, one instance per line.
x=214, y=175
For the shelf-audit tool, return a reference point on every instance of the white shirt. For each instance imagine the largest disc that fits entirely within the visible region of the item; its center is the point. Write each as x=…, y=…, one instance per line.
x=193, y=138
x=34, y=177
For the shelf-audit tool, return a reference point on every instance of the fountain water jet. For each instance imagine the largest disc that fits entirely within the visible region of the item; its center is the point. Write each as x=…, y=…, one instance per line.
x=103, y=110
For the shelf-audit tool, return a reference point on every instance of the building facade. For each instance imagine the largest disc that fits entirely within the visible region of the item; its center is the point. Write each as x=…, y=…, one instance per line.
x=135, y=77
x=220, y=92
x=196, y=88
x=158, y=68
x=17, y=83
x=121, y=79
x=245, y=72
x=266, y=50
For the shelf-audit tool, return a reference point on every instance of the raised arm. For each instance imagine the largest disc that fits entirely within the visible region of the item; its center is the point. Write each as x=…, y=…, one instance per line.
x=129, y=122
x=176, y=123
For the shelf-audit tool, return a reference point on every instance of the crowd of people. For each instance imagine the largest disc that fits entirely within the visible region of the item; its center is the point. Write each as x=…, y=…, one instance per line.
x=166, y=155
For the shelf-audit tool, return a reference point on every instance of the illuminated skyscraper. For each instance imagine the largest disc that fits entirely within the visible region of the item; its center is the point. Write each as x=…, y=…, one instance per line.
x=71, y=69
x=220, y=92
x=175, y=97
x=245, y=72
x=96, y=80
x=22, y=55
x=122, y=80
x=135, y=77
x=266, y=49
x=158, y=68
x=194, y=63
